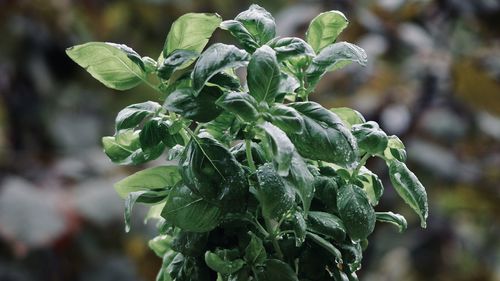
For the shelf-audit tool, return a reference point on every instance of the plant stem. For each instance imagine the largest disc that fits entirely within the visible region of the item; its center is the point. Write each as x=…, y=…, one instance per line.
x=272, y=236
x=248, y=149
x=362, y=162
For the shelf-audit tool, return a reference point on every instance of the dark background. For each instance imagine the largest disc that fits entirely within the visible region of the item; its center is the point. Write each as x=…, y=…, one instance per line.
x=433, y=79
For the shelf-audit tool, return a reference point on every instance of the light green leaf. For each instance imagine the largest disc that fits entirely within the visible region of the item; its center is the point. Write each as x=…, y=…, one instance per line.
x=349, y=116
x=398, y=220
x=259, y=22
x=191, y=32
x=221, y=264
x=109, y=63
x=410, y=189
x=160, y=244
x=152, y=178
x=215, y=59
x=395, y=149
x=356, y=212
x=324, y=29
x=290, y=46
x=240, y=104
x=264, y=75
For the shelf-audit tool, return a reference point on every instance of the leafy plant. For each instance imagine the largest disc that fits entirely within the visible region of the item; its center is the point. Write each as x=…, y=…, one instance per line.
x=261, y=184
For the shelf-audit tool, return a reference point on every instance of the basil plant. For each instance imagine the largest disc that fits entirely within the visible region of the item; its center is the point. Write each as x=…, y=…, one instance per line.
x=258, y=183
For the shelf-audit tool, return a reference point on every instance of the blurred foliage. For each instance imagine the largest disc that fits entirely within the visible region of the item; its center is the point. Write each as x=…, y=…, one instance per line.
x=433, y=77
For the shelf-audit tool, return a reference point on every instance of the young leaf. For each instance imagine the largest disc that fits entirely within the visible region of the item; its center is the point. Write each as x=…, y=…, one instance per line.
x=134, y=114
x=286, y=118
x=149, y=179
x=191, y=32
x=355, y=211
x=177, y=60
x=275, y=197
x=372, y=185
x=395, y=149
x=264, y=75
x=215, y=59
x=240, y=104
x=222, y=265
x=324, y=29
x=238, y=30
x=160, y=244
x=334, y=57
x=291, y=46
x=201, y=107
x=113, y=65
x=190, y=212
x=326, y=224
x=398, y=220
x=326, y=245
x=255, y=253
x=276, y=270
x=410, y=189
x=349, y=116
x=324, y=137
x=259, y=23
x=370, y=138
x=282, y=147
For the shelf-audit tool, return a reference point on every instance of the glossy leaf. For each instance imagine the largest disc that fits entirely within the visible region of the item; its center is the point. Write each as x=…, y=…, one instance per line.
x=349, y=116
x=153, y=133
x=410, y=189
x=301, y=180
x=326, y=224
x=255, y=253
x=220, y=264
x=370, y=138
x=116, y=66
x=215, y=59
x=396, y=219
x=134, y=114
x=282, y=147
x=299, y=228
x=264, y=75
x=371, y=184
x=326, y=245
x=189, y=211
x=191, y=32
x=148, y=179
x=325, y=190
x=239, y=31
x=226, y=81
x=201, y=108
x=259, y=23
x=177, y=60
x=286, y=118
x=395, y=149
x=240, y=104
x=277, y=270
x=324, y=29
x=190, y=243
x=291, y=46
x=356, y=212
x=128, y=152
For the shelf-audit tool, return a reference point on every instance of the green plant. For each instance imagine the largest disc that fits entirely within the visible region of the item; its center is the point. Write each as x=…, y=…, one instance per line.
x=262, y=184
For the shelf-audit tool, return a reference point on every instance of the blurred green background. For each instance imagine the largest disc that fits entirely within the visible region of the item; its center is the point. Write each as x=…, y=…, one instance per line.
x=433, y=79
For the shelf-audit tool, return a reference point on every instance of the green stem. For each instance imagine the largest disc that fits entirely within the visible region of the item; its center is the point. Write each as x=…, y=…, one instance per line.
x=362, y=162
x=272, y=236
x=248, y=149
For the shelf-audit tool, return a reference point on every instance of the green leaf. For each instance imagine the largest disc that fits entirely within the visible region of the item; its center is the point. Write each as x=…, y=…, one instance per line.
x=153, y=133
x=410, y=189
x=190, y=212
x=275, y=197
x=238, y=30
x=371, y=184
x=149, y=179
x=215, y=59
x=395, y=149
x=178, y=59
x=221, y=264
x=125, y=150
x=326, y=224
x=276, y=270
x=396, y=219
x=160, y=244
x=190, y=243
x=240, y=104
x=116, y=66
x=352, y=253
x=143, y=196
x=356, y=212
x=259, y=23
x=286, y=118
x=301, y=180
x=223, y=128
x=349, y=116
x=226, y=81
x=324, y=29
x=370, y=138
x=326, y=245
x=324, y=136
x=334, y=57
x=200, y=107
x=264, y=75
x=282, y=147
x=299, y=228
x=291, y=46
x=191, y=32
x=325, y=190
x=175, y=152
x=211, y=171
x=132, y=115
x=255, y=253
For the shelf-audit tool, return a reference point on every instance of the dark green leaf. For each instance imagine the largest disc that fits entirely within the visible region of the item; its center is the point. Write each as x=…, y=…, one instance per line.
x=351, y=252
x=281, y=146
x=184, y=268
x=259, y=23
x=240, y=104
x=349, y=116
x=124, y=149
x=221, y=264
x=153, y=133
x=286, y=118
x=370, y=138
x=191, y=32
x=223, y=128
x=277, y=270
x=264, y=75
x=410, y=189
x=325, y=190
x=301, y=180
x=324, y=136
x=255, y=253
x=390, y=217
x=239, y=152
x=134, y=114
x=372, y=185
x=299, y=228
x=326, y=245
x=356, y=212
x=238, y=30
x=275, y=197
x=226, y=81
x=326, y=224
x=175, y=152
x=395, y=149
x=149, y=179
x=215, y=59
x=190, y=243
x=190, y=212
x=291, y=46
x=116, y=66
x=201, y=108
x=178, y=59
x=324, y=29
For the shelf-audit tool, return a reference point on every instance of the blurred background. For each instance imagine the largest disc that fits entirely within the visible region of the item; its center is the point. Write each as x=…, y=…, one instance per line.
x=433, y=79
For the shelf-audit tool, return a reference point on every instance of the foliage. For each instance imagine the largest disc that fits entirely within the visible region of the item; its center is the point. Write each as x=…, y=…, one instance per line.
x=266, y=184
